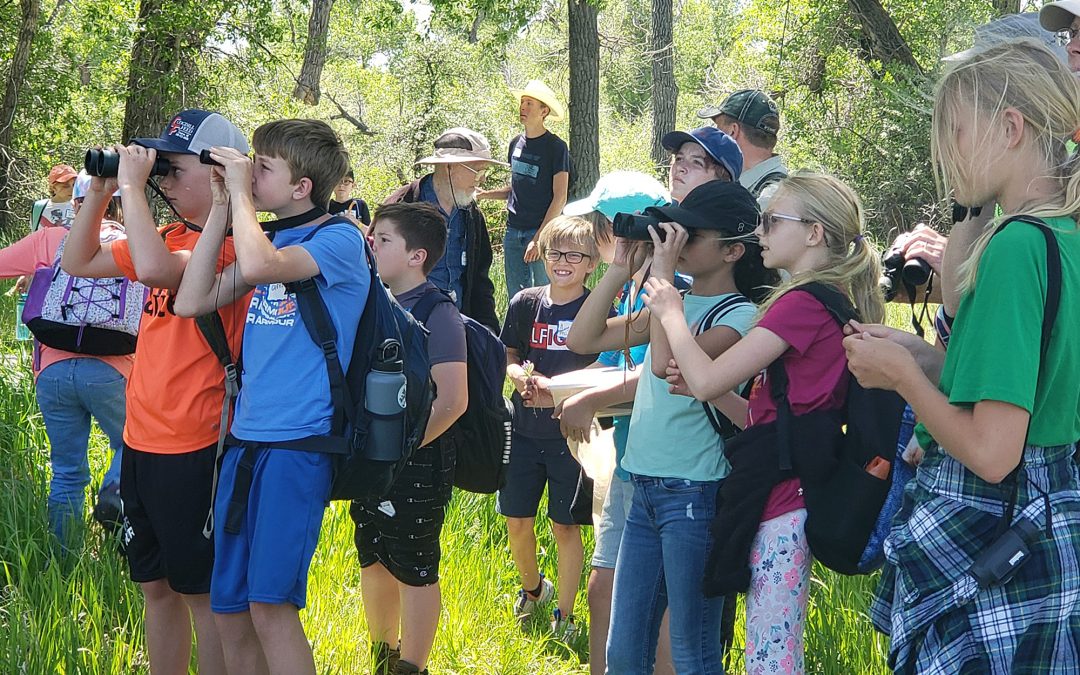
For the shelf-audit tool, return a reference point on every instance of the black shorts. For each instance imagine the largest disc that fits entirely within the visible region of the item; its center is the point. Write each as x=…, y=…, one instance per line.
x=166, y=501
x=402, y=531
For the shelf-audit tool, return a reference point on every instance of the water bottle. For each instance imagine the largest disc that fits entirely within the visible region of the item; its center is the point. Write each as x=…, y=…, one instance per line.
x=384, y=399
x=21, y=331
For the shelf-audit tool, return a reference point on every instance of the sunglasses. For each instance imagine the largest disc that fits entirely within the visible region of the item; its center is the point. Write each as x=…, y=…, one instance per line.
x=770, y=220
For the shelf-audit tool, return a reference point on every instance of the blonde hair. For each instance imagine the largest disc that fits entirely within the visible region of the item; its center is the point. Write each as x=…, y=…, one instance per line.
x=853, y=262
x=1026, y=76
x=569, y=229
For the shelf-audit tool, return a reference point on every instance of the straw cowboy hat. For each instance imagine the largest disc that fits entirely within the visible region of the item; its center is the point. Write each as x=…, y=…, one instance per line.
x=541, y=92
x=460, y=145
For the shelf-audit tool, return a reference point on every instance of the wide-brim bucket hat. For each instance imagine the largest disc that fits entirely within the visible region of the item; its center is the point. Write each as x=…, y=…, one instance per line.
x=460, y=145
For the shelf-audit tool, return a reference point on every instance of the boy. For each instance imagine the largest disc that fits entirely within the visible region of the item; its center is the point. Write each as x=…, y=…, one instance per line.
x=176, y=388
x=537, y=322
x=261, y=565
x=398, y=538
x=539, y=176
x=355, y=209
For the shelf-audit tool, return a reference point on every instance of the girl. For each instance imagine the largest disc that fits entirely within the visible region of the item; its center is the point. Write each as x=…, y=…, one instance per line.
x=1004, y=417
x=813, y=228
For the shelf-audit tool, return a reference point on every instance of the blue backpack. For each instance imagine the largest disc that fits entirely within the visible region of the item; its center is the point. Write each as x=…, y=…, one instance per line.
x=483, y=430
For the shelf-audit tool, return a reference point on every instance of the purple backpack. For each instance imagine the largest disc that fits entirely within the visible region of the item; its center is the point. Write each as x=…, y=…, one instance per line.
x=87, y=316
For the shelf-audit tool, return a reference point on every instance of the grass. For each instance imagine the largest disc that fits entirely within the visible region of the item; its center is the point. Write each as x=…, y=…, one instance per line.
x=83, y=615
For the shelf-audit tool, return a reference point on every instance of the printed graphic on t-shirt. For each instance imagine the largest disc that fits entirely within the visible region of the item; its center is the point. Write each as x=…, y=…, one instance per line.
x=550, y=336
x=272, y=306
x=159, y=302
x=521, y=164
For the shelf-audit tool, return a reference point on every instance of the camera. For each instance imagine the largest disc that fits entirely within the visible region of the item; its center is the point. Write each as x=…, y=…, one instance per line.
x=106, y=163
x=635, y=227
x=913, y=271
x=204, y=157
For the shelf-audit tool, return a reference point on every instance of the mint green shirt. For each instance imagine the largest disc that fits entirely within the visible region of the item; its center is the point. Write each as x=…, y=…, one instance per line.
x=670, y=435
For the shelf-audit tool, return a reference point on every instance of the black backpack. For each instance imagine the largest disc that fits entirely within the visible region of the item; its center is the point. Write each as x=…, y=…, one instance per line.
x=483, y=431
x=355, y=475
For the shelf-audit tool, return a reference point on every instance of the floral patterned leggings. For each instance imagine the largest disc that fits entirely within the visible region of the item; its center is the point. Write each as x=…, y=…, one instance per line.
x=779, y=590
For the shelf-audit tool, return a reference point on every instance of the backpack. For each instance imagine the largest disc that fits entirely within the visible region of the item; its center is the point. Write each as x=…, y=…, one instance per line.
x=484, y=429
x=723, y=426
x=99, y=317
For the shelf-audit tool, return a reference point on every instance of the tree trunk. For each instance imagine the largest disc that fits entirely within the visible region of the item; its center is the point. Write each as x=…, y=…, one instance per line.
x=1003, y=7
x=307, y=85
x=883, y=38
x=20, y=61
x=664, y=93
x=584, y=97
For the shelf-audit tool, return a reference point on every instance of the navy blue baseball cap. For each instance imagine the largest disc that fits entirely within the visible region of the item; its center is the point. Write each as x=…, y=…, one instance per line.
x=191, y=131
x=721, y=147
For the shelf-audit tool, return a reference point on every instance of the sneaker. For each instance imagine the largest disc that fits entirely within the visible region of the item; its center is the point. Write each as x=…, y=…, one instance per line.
x=109, y=509
x=527, y=604
x=384, y=658
x=564, y=628
x=406, y=668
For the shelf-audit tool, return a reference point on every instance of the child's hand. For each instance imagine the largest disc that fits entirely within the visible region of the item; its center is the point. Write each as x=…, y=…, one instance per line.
x=218, y=190
x=104, y=186
x=879, y=363
x=575, y=416
x=913, y=453
x=662, y=298
x=677, y=385
x=666, y=253
x=537, y=392
x=136, y=162
x=237, y=168
x=630, y=255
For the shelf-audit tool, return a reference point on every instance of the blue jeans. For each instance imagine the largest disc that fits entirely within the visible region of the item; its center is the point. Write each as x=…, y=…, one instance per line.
x=661, y=566
x=520, y=274
x=68, y=393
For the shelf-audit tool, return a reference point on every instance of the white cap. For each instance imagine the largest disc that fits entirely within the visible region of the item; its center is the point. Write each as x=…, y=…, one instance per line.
x=1057, y=16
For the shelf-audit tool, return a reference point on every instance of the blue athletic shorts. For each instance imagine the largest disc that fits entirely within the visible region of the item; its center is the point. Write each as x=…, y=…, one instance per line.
x=268, y=560
x=534, y=463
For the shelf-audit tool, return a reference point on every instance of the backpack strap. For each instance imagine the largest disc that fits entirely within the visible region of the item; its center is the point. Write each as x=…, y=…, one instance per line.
x=213, y=330
x=720, y=422
x=427, y=303
x=36, y=214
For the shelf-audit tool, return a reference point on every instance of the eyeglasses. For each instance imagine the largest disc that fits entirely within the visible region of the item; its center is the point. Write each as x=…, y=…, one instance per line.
x=479, y=173
x=572, y=257
x=1066, y=35
x=770, y=220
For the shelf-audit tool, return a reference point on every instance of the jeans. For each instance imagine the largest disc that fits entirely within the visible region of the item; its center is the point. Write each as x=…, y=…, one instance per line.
x=520, y=274
x=661, y=566
x=68, y=393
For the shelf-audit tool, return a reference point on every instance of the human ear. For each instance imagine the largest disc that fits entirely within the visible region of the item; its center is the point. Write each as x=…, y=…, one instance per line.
x=1013, y=126
x=734, y=252
x=816, y=234
x=418, y=257
x=302, y=189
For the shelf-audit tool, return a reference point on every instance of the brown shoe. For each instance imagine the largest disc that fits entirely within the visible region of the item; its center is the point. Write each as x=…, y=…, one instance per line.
x=406, y=668
x=384, y=659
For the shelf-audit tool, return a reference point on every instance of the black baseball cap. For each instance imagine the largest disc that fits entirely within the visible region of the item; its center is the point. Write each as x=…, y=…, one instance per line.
x=717, y=205
x=752, y=107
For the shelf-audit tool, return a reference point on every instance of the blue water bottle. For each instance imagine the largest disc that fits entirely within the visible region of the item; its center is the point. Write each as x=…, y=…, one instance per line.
x=21, y=331
x=384, y=399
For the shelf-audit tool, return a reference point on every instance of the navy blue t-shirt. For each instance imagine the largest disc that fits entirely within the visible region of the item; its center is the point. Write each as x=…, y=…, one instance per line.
x=533, y=164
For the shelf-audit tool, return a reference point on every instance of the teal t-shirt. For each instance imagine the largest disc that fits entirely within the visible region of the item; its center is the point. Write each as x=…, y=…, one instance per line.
x=993, y=353
x=670, y=435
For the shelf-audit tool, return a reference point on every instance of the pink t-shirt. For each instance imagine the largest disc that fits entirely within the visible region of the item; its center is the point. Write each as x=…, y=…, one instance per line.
x=39, y=250
x=817, y=376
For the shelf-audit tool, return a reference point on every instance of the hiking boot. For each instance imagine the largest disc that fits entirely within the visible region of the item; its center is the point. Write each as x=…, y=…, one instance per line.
x=526, y=604
x=109, y=509
x=406, y=668
x=564, y=628
x=384, y=659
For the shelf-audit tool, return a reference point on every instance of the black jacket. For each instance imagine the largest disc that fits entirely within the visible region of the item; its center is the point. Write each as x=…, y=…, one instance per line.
x=478, y=290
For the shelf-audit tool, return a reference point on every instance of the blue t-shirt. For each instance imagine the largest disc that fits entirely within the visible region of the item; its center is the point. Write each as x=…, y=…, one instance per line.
x=659, y=416
x=286, y=390
x=618, y=358
x=448, y=270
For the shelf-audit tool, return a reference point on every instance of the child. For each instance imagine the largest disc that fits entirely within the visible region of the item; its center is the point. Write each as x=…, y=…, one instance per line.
x=397, y=538
x=1001, y=403
x=355, y=209
x=537, y=322
x=260, y=572
x=666, y=538
x=71, y=387
x=176, y=389
x=813, y=228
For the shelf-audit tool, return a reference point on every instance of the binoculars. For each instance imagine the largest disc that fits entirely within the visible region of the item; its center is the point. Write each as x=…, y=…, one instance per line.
x=106, y=163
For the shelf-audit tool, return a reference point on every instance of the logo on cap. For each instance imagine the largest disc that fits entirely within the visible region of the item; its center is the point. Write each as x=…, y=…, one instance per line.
x=180, y=128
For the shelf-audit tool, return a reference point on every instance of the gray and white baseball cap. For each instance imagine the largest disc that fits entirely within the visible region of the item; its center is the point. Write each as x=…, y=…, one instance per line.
x=191, y=131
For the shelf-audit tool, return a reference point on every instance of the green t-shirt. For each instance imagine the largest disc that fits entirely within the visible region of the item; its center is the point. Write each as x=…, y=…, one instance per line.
x=993, y=353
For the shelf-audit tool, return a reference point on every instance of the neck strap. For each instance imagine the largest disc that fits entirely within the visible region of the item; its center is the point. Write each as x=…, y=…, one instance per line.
x=294, y=221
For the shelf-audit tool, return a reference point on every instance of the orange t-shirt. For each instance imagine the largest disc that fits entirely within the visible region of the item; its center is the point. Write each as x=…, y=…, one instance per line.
x=175, y=391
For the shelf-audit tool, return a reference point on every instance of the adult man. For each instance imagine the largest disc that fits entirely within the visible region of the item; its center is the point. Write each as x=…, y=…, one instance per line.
x=1064, y=18
x=58, y=209
x=753, y=120
x=460, y=160
x=539, y=179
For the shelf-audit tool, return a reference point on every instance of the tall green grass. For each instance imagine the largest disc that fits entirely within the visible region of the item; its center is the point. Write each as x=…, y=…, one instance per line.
x=83, y=616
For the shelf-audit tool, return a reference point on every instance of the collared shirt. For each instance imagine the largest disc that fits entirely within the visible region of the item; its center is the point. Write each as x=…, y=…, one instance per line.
x=750, y=178
x=449, y=270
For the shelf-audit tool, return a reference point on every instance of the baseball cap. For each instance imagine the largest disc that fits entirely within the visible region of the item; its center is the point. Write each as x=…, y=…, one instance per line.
x=621, y=192
x=1012, y=27
x=719, y=145
x=459, y=145
x=752, y=107
x=1057, y=16
x=62, y=173
x=191, y=131
x=717, y=205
